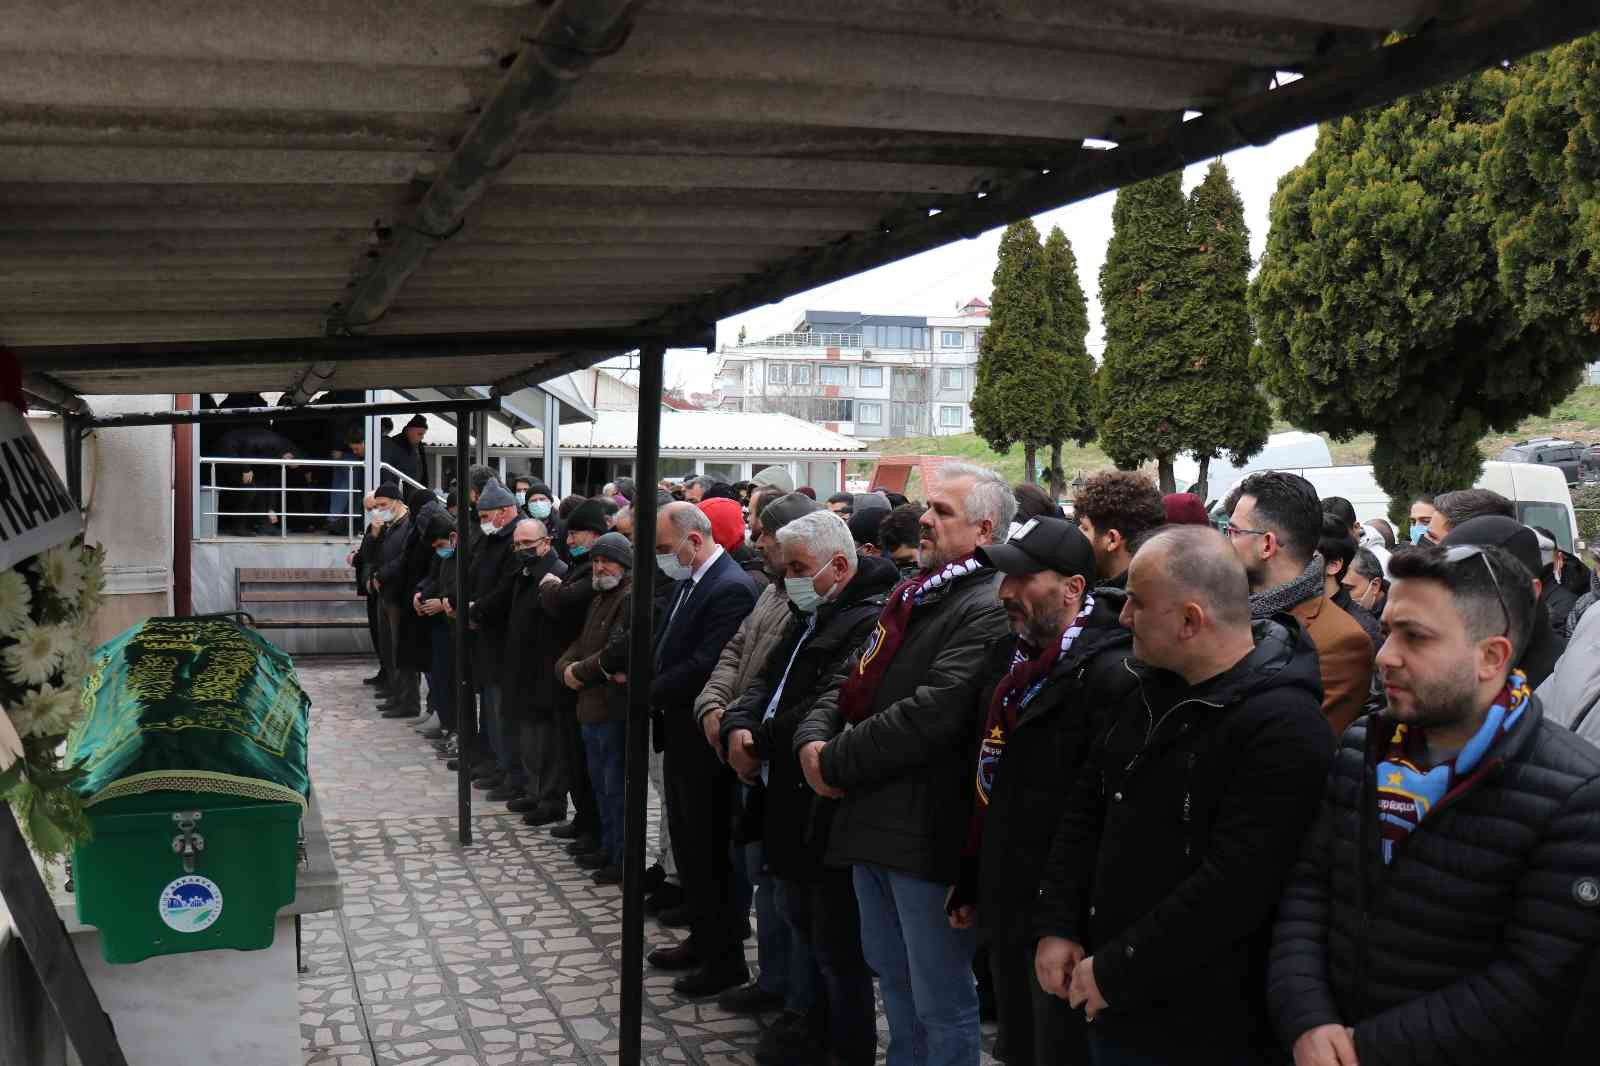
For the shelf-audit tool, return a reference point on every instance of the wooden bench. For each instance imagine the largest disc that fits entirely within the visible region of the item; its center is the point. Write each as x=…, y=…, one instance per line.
x=265, y=586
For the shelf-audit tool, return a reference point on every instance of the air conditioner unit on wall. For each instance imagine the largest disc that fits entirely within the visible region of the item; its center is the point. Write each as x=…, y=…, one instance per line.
x=866, y=353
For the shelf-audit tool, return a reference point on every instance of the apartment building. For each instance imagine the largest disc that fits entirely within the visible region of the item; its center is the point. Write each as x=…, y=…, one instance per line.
x=865, y=376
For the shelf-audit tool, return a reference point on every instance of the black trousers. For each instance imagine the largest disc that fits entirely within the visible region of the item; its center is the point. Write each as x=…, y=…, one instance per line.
x=374, y=620
x=585, y=812
x=700, y=816
x=1036, y=1028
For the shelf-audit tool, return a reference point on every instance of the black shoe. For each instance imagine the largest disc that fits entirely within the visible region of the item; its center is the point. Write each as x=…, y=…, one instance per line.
x=380, y=679
x=664, y=898
x=787, y=1041
x=488, y=783
x=654, y=878
x=452, y=765
x=565, y=831
x=582, y=846
x=609, y=875
x=675, y=917
x=503, y=792
x=400, y=712
x=523, y=804
x=711, y=979
x=591, y=860
x=679, y=956
x=433, y=734
x=750, y=999
x=539, y=815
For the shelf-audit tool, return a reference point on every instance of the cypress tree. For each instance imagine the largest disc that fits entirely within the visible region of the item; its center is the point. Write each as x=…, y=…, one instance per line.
x=1225, y=411
x=1141, y=385
x=1006, y=400
x=1071, y=373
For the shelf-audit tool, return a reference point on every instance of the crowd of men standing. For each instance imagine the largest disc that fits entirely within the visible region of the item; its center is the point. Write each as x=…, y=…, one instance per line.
x=1263, y=786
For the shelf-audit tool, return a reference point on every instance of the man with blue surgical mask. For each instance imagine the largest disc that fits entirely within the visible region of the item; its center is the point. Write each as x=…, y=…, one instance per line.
x=1422, y=511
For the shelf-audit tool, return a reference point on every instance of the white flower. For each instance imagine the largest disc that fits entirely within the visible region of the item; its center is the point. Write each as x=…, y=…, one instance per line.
x=33, y=659
x=16, y=600
x=62, y=570
x=47, y=711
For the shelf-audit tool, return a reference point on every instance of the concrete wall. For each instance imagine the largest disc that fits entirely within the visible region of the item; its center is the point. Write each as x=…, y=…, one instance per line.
x=212, y=567
x=127, y=488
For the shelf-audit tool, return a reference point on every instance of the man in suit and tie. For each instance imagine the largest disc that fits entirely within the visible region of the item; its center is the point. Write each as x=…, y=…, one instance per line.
x=710, y=597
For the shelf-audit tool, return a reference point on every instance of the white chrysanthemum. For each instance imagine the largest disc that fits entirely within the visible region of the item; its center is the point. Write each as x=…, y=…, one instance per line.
x=16, y=600
x=47, y=711
x=76, y=661
x=62, y=570
x=33, y=659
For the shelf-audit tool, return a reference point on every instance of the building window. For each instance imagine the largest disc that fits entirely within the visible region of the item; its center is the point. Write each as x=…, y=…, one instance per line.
x=872, y=377
x=833, y=375
x=777, y=373
x=728, y=472
x=894, y=336
x=830, y=410
x=950, y=338
x=949, y=416
x=800, y=374
x=869, y=414
x=952, y=377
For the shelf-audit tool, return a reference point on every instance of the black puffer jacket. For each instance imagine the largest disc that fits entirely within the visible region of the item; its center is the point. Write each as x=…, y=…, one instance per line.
x=1043, y=756
x=1170, y=860
x=906, y=769
x=1472, y=944
x=796, y=820
x=490, y=566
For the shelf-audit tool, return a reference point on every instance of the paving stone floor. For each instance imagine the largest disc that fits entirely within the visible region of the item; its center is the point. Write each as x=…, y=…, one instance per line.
x=503, y=952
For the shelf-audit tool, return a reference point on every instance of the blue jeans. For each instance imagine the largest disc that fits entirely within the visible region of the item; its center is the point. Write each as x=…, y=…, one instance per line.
x=605, y=751
x=785, y=965
x=442, y=672
x=827, y=933
x=924, y=968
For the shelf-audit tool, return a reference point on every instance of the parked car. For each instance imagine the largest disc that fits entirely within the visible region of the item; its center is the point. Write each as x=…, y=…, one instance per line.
x=1591, y=463
x=1565, y=455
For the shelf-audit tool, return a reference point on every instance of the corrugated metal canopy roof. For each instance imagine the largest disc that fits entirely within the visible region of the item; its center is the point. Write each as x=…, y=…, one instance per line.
x=247, y=177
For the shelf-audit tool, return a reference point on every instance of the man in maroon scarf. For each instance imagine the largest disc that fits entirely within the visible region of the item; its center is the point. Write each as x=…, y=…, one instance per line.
x=1045, y=701
x=892, y=739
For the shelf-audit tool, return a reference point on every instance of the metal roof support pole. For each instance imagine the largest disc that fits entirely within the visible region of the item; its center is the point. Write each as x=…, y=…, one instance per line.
x=552, y=445
x=641, y=675
x=466, y=718
x=569, y=38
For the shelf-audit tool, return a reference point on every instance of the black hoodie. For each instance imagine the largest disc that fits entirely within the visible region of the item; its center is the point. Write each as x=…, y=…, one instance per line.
x=1168, y=865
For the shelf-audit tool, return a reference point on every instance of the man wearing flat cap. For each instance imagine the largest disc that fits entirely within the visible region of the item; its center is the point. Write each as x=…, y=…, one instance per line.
x=1040, y=710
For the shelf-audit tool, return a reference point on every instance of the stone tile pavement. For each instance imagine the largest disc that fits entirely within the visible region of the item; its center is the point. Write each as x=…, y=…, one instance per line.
x=503, y=952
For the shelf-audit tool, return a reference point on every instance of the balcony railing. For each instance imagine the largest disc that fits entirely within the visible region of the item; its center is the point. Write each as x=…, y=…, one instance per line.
x=251, y=493
x=806, y=340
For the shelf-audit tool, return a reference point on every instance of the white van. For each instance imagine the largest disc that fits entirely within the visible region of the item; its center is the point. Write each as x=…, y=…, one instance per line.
x=1539, y=492
x=1284, y=451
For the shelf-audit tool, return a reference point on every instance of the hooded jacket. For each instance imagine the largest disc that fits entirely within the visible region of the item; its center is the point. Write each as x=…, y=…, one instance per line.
x=1169, y=862
x=795, y=819
x=1472, y=944
x=906, y=769
x=1043, y=756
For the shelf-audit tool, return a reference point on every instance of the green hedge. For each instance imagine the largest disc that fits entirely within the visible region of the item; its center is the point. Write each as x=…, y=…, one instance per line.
x=1586, y=499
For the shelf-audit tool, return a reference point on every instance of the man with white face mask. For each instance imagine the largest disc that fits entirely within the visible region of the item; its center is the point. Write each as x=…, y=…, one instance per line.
x=710, y=598
x=492, y=562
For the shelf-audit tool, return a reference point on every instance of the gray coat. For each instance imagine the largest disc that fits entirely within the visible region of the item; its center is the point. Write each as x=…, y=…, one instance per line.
x=906, y=770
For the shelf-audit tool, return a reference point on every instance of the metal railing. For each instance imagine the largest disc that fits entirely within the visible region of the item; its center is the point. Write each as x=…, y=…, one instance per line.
x=276, y=518
x=405, y=479
x=806, y=340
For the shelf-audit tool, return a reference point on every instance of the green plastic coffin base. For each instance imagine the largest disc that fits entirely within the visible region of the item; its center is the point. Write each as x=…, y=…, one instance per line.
x=133, y=888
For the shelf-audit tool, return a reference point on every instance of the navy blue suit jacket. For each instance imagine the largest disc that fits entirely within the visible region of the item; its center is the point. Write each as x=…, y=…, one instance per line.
x=688, y=647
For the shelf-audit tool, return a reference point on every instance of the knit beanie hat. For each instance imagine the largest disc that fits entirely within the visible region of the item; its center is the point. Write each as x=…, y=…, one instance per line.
x=587, y=517
x=387, y=491
x=613, y=546
x=1185, y=509
x=494, y=496
x=727, y=521
x=785, y=509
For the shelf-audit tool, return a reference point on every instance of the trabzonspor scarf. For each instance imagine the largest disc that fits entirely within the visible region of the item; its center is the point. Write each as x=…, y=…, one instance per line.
x=858, y=690
x=1286, y=597
x=1406, y=793
x=1030, y=669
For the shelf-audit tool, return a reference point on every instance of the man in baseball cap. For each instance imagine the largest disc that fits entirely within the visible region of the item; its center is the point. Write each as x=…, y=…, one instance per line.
x=1040, y=716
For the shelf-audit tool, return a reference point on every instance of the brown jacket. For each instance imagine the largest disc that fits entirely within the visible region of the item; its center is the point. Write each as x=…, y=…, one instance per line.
x=583, y=654
x=1345, y=653
x=746, y=653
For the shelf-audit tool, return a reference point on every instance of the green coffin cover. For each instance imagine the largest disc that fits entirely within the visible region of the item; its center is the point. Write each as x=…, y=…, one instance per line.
x=192, y=705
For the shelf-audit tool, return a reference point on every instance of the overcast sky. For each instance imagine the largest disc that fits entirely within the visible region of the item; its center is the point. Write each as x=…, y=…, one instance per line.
x=935, y=282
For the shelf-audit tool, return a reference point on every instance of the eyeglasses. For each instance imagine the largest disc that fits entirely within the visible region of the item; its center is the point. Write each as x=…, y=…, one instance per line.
x=1240, y=531
x=1462, y=552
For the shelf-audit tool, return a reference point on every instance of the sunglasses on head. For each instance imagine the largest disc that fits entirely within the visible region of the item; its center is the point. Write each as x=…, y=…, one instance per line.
x=1461, y=553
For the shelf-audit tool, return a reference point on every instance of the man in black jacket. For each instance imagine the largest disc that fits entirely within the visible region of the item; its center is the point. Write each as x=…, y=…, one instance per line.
x=834, y=597
x=389, y=584
x=403, y=451
x=1446, y=907
x=892, y=735
x=710, y=597
x=527, y=684
x=434, y=602
x=1156, y=906
x=492, y=563
x=1039, y=711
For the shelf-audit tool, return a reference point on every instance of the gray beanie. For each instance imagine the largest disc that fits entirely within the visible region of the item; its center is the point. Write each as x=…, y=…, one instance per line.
x=785, y=509
x=494, y=496
x=613, y=546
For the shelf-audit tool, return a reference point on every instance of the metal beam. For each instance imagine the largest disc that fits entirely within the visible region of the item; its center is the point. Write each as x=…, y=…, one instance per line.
x=567, y=41
x=641, y=673
x=52, y=393
x=466, y=716
x=1441, y=52
x=330, y=412
x=143, y=355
